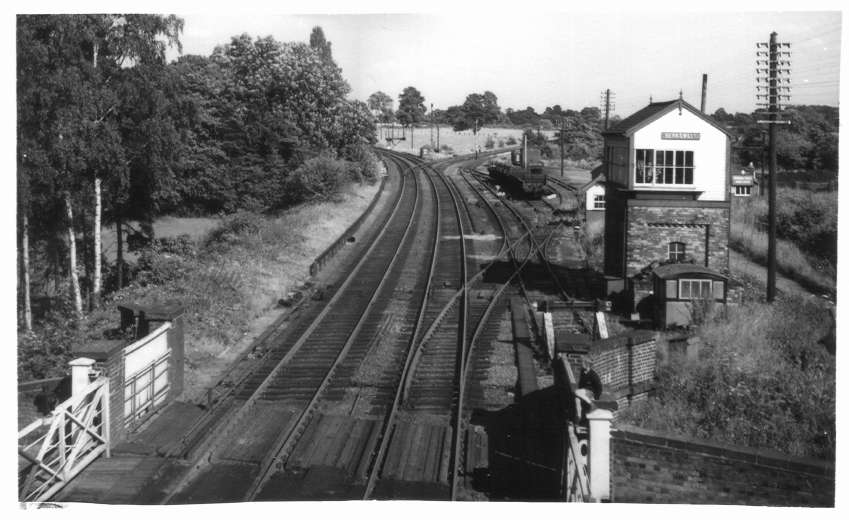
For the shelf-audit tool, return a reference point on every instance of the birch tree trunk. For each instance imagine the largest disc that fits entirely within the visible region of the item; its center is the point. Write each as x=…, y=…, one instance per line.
x=98, y=207
x=119, y=238
x=72, y=253
x=96, y=283
x=25, y=261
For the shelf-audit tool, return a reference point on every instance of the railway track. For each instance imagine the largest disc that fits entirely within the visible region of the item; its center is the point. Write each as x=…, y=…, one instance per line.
x=274, y=403
x=373, y=382
x=421, y=457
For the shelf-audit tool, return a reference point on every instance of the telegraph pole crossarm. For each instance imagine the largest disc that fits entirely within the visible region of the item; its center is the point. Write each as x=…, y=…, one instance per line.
x=774, y=78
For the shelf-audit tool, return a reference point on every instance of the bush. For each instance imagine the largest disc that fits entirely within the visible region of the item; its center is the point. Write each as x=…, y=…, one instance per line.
x=511, y=141
x=800, y=254
x=490, y=143
x=318, y=178
x=761, y=381
x=46, y=352
x=364, y=164
x=808, y=219
x=234, y=228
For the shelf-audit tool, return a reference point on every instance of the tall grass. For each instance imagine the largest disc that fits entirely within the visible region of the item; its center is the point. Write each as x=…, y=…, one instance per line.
x=223, y=280
x=749, y=236
x=761, y=380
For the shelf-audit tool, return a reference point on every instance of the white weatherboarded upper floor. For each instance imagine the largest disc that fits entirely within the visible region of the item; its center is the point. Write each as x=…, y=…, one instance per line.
x=669, y=147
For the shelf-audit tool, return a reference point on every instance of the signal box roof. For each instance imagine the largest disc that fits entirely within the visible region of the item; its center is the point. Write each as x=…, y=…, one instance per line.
x=672, y=271
x=654, y=111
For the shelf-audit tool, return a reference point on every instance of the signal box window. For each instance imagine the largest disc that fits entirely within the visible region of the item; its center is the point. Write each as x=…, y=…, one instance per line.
x=598, y=201
x=677, y=251
x=695, y=289
x=742, y=191
x=661, y=167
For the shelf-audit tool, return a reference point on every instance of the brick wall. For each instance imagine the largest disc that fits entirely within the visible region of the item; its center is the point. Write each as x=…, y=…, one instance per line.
x=625, y=364
x=614, y=232
x=704, y=230
x=649, y=466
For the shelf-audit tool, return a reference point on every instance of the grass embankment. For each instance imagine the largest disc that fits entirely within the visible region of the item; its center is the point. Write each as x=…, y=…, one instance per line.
x=807, y=230
x=228, y=279
x=762, y=380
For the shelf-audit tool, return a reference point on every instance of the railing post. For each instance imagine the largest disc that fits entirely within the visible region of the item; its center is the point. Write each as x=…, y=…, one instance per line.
x=80, y=369
x=106, y=422
x=599, y=453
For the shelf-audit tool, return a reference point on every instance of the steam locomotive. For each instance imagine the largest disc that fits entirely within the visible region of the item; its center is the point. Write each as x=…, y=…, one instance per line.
x=523, y=174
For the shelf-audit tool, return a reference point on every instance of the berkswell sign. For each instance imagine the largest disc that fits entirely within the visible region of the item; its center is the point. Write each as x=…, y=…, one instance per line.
x=681, y=136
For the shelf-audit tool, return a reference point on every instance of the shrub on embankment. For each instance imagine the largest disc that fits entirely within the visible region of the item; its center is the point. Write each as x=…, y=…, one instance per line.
x=224, y=280
x=806, y=225
x=762, y=381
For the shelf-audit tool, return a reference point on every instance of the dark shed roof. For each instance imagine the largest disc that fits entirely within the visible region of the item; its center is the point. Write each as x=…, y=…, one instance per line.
x=653, y=111
x=668, y=271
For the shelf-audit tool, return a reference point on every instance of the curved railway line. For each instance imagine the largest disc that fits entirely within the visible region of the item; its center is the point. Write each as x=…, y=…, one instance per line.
x=367, y=388
x=275, y=403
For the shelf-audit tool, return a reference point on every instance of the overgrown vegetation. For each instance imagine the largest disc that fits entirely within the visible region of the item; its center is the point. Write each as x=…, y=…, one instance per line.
x=809, y=142
x=110, y=133
x=761, y=380
x=807, y=231
x=224, y=280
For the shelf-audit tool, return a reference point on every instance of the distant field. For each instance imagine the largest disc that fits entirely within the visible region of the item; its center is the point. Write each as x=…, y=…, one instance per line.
x=461, y=142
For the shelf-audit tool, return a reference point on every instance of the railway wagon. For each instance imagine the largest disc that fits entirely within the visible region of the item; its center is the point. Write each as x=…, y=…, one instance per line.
x=523, y=174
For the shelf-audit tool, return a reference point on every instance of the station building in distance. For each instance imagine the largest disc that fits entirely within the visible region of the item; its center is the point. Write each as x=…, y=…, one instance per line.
x=667, y=201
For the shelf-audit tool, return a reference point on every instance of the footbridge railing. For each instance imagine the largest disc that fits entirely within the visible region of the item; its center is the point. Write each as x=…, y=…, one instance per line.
x=586, y=465
x=54, y=449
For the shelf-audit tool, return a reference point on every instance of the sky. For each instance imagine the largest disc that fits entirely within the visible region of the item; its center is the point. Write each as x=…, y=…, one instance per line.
x=548, y=58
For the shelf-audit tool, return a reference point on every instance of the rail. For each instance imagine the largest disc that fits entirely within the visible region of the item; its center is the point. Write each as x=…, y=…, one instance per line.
x=282, y=447
x=215, y=441
x=464, y=342
x=53, y=450
x=383, y=437
x=543, y=257
x=322, y=259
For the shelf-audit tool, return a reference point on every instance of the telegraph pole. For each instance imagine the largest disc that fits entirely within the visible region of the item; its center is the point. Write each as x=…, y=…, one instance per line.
x=562, y=143
x=476, y=138
x=608, y=105
x=704, y=92
x=431, y=125
x=775, y=79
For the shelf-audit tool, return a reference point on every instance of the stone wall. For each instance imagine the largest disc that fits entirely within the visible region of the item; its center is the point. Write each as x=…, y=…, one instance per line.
x=649, y=466
x=651, y=228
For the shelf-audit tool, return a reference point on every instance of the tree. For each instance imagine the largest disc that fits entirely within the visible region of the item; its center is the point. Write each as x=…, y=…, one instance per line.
x=68, y=106
x=121, y=40
x=582, y=137
x=380, y=105
x=526, y=117
x=320, y=44
x=477, y=111
x=411, y=108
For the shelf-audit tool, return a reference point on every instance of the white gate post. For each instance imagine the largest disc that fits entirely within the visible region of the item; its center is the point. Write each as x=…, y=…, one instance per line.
x=80, y=369
x=599, y=453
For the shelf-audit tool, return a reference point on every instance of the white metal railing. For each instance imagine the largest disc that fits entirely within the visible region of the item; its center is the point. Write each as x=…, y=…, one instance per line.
x=577, y=479
x=54, y=449
x=576, y=484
